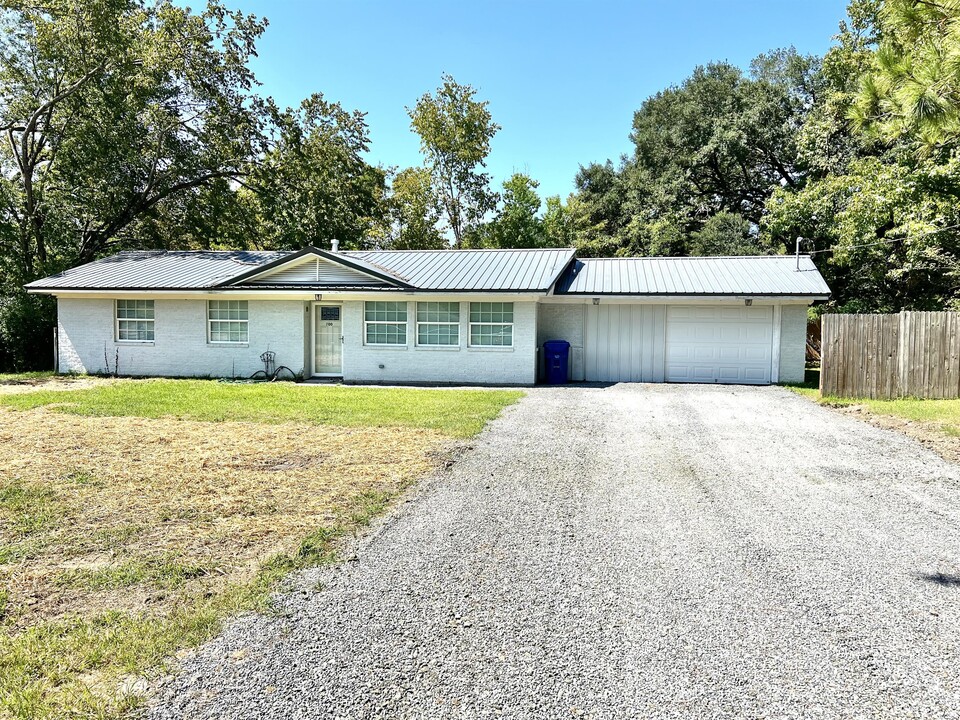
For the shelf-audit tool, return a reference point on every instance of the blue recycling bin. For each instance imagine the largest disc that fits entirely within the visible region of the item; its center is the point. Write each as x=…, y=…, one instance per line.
x=557, y=355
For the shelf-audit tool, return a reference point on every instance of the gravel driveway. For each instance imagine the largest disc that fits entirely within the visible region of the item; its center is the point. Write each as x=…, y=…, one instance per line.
x=623, y=552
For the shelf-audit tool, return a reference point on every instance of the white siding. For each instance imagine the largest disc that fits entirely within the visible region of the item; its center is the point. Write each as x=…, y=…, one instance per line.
x=492, y=366
x=624, y=343
x=559, y=321
x=315, y=270
x=793, y=342
x=180, y=347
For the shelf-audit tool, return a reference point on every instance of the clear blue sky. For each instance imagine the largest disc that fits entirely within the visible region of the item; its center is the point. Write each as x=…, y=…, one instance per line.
x=562, y=78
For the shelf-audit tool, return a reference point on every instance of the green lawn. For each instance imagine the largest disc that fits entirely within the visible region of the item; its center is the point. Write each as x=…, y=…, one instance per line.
x=461, y=413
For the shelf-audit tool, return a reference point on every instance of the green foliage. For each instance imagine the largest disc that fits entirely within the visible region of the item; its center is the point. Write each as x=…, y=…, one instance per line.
x=559, y=223
x=414, y=212
x=26, y=330
x=719, y=143
x=113, y=107
x=455, y=131
x=314, y=185
x=912, y=89
x=726, y=234
x=892, y=228
x=517, y=223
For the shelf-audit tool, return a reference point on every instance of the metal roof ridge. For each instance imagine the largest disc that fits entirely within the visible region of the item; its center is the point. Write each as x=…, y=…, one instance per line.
x=697, y=257
x=463, y=250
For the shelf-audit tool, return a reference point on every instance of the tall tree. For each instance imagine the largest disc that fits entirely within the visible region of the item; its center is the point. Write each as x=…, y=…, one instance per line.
x=314, y=184
x=559, y=228
x=455, y=131
x=913, y=86
x=719, y=143
x=113, y=112
x=726, y=234
x=517, y=223
x=414, y=212
x=111, y=107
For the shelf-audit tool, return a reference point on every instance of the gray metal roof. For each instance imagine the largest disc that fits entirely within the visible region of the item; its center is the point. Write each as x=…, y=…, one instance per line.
x=757, y=275
x=432, y=270
x=157, y=270
x=462, y=270
x=478, y=270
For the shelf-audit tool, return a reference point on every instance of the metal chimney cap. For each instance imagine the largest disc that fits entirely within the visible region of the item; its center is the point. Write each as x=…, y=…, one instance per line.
x=334, y=245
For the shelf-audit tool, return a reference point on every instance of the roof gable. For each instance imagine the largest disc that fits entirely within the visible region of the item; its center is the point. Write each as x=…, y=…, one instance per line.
x=313, y=271
x=317, y=268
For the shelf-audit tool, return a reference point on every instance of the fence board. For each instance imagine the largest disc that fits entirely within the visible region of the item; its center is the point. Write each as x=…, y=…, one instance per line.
x=915, y=354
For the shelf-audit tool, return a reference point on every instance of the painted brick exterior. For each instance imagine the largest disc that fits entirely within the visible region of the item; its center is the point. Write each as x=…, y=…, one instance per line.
x=564, y=322
x=180, y=347
x=793, y=342
x=492, y=366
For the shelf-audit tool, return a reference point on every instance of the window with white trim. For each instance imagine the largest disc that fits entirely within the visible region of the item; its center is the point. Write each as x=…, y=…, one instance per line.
x=134, y=320
x=385, y=323
x=438, y=324
x=227, y=321
x=491, y=324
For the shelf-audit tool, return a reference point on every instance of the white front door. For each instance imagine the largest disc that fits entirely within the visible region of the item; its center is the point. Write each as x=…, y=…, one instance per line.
x=327, y=340
x=719, y=344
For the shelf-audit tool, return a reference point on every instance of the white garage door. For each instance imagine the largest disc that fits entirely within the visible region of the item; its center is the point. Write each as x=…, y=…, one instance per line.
x=719, y=344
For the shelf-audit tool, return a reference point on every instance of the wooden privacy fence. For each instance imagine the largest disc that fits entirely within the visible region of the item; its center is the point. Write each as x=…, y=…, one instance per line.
x=913, y=354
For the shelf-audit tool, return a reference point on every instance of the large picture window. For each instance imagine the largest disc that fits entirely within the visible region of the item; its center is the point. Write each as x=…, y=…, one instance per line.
x=228, y=321
x=438, y=324
x=491, y=324
x=134, y=320
x=385, y=323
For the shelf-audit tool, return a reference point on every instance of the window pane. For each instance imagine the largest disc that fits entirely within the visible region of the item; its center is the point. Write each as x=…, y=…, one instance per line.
x=438, y=312
x=491, y=335
x=491, y=312
x=380, y=311
x=438, y=334
x=386, y=333
x=141, y=330
x=128, y=309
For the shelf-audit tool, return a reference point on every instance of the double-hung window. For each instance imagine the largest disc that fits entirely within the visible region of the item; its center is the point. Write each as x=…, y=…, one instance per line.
x=438, y=324
x=228, y=321
x=385, y=323
x=491, y=324
x=134, y=320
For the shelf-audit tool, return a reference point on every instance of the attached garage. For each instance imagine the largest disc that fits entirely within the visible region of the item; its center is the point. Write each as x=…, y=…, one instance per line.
x=719, y=344
x=702, y=320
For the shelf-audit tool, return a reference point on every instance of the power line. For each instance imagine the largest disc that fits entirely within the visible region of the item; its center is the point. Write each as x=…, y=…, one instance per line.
x=888, y=241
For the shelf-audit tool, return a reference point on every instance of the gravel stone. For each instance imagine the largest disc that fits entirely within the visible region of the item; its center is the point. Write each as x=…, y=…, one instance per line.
x=621, y=552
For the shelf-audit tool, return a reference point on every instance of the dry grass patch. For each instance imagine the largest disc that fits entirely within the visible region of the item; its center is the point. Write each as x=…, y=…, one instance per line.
x=29, y=382
x=122, y=539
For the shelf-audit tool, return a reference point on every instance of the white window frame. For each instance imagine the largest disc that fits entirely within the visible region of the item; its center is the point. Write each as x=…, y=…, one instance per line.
x=471, y=324
x=402, y=323
x=244, y=323
x=454, y=324
x=151, y=320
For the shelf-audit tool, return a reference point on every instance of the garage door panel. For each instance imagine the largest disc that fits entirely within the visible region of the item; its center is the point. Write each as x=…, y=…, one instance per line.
x=719, y=344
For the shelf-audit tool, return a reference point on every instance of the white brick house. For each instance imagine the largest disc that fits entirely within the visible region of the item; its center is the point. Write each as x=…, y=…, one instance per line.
x=448, y=316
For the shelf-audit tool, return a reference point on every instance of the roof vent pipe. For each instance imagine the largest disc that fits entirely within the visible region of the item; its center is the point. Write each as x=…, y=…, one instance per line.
x=334, y=245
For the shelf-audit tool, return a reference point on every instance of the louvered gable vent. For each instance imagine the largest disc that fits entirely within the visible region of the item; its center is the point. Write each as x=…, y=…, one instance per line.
x=315, y=271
